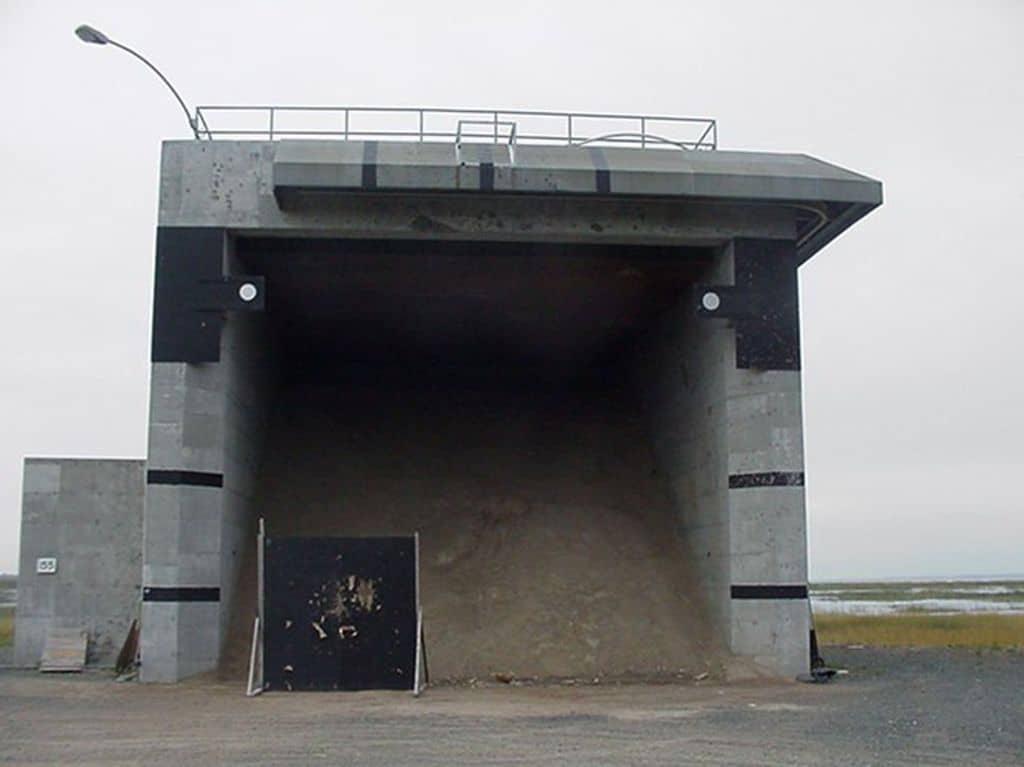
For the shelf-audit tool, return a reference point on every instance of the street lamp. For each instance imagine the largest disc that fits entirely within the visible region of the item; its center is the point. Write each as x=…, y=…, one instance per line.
x=88, y=34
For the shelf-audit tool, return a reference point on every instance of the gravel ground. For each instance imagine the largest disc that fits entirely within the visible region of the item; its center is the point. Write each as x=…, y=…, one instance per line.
x=897, y=707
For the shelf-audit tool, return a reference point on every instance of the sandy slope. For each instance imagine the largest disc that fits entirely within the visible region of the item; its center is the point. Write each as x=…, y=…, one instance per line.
x=546, y=539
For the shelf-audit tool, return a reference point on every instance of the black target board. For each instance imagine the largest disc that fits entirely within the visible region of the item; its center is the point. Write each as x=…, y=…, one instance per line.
x=340, y=614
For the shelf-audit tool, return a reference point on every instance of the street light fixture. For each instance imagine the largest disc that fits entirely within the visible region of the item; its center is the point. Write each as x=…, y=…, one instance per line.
x=88, y=34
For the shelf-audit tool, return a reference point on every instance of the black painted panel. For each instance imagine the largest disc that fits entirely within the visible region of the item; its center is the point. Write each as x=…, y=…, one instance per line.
x=370, y=165
x=185, y=257
x=192, y=293
x=769, y=340
x=602, y=173
x=340, y=613
x=487, y=177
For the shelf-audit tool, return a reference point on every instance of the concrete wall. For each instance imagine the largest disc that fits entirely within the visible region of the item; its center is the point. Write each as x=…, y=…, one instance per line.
x=249, y=360
x=719, y=433
x=681, y=372
x=87, y=514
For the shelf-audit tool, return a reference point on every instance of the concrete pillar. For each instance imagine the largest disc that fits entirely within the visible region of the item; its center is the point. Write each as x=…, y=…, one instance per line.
x=729, y=441
x=767, y=520
x=206, y=428
x=182, y=521
x=769, y=616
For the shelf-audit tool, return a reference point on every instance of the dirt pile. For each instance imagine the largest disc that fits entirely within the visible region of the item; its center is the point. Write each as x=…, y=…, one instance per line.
x=546, y=536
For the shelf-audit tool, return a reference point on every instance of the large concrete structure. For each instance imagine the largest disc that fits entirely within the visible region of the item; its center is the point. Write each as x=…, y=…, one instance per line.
x=326, y=311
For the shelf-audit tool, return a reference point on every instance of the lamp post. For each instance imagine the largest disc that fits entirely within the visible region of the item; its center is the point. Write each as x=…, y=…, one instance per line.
x=88, y=34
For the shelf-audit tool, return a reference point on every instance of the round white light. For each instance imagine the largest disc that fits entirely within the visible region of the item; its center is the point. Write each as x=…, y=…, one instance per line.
x=711, y=301
x=247, y=292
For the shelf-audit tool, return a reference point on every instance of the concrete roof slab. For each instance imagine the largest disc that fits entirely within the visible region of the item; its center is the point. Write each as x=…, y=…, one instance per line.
x=290, y=184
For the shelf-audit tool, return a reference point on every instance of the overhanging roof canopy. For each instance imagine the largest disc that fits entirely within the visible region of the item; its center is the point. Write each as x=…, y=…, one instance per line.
x=828, y=199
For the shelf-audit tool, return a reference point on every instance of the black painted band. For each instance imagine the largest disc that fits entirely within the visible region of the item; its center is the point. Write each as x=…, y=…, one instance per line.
x=767, y=479
x=769, y=592
x=602, y=174
x=370, y=165
x=179, y=477
x=181, y=594
x=487, y=177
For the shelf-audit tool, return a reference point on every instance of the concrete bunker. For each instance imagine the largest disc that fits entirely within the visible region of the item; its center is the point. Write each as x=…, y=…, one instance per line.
x=575, y=370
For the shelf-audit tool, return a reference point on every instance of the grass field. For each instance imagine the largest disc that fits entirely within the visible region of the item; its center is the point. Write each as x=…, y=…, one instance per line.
x=6, y=626
x=8, y=586
x=922, y=630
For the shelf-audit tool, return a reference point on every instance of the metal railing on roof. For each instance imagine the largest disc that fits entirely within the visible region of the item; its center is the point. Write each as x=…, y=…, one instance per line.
x=510, y=127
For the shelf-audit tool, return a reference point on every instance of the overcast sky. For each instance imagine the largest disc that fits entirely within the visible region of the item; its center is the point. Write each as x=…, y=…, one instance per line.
x=914, y=377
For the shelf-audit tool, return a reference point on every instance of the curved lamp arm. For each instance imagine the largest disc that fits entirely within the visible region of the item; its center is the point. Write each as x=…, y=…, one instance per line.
x=88, y=34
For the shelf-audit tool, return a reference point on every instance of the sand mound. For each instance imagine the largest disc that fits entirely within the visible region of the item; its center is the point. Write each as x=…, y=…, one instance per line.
x=547, y=546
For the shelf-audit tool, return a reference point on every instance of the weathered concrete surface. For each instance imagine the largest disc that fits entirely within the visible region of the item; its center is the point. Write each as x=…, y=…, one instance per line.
x=87, y=514
x=900, y=708
x=710, y=421
x=680, y=371
x=692, y=198
x=208, y=418
x=355, y=298
x=719, y=175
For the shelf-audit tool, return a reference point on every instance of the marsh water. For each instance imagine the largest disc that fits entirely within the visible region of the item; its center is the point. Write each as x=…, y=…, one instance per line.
x=1003, y=596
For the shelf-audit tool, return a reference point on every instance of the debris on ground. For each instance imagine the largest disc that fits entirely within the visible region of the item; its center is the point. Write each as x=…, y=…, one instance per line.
x=130, y=675
x=64, y=650
x=129, y=650
x=821, y=675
